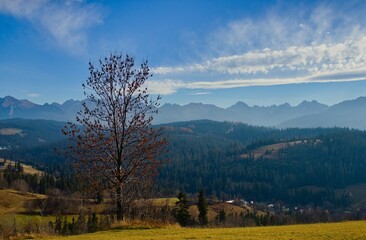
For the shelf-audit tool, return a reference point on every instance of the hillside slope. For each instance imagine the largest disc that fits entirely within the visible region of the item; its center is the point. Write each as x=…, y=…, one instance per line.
x=24, y=133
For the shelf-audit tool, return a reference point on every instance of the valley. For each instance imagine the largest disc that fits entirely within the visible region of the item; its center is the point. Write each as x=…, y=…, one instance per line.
x=218, y=157
x=252, y=176
x=183, y=119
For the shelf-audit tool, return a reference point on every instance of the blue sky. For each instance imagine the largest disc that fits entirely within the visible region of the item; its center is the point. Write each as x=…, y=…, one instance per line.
x=217, y=52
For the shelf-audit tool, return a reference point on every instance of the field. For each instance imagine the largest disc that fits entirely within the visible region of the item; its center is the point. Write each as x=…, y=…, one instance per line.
x=329, y=231
x=271, y=151
x=10, y=131
x=27, y=168
x=14, y=202
x=14, y=210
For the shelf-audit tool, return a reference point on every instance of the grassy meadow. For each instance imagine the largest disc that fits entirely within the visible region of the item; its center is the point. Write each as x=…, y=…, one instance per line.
x=14, y=212
x=28, y=169
x=326, y=231
x=12, y=209
x=14, y=202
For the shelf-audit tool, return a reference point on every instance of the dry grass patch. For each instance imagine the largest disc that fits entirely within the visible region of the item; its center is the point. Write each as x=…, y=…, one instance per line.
x=31, y=170
x=229, y=209
x=10, y=131
x=165, y=201
x=271, y=151
x=12, y=201
x=28, y=169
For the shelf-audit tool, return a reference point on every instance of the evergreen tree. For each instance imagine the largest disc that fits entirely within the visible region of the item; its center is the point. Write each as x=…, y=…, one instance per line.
x=180, y=211
x=92, y=223
x=72, y=225
x=58, y=223
x=81, y=226
x=99, y=197
x=202, y=208
x=65, y=227
x=222, y=215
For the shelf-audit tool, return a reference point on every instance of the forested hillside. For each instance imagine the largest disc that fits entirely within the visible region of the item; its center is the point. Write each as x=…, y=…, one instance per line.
x=308, y=167
x=211, y=155
x=23, y=133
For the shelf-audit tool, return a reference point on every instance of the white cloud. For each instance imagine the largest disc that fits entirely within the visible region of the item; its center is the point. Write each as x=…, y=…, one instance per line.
x=200, y=93
x=170, y=86
x=319, y=44
x=288, y=25
x=22, y=8
x=314, y=59
x=164, y=87
x=66, y=22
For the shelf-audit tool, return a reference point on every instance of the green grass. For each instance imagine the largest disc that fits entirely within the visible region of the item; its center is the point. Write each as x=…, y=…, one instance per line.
x=13, y=209
x=329, y=231
x=22, y=219
x=165, y=201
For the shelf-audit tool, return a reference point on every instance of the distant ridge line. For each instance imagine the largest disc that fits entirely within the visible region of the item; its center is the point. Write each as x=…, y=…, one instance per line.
x=349, y=113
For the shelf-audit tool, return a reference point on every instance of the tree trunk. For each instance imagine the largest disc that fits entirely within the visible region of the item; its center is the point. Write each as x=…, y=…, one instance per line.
x=119, y=204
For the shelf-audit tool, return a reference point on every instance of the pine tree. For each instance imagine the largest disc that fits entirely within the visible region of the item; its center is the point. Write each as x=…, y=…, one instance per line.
x=180, y=211
x=222, y=215
x=202, y=208
x=58, y=223
x=72, y=225
x=81, y=226
x=65, y=227
x=92, y=223
x=99, y=197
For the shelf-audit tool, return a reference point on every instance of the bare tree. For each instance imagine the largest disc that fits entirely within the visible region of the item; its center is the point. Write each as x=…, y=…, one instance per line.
x=20, y=185
x=116, y=146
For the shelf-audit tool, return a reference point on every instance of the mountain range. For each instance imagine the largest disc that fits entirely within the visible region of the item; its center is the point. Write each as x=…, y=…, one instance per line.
x=351, y=113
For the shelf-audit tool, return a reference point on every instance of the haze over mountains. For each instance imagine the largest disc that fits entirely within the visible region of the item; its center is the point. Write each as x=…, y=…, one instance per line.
x=351, y=113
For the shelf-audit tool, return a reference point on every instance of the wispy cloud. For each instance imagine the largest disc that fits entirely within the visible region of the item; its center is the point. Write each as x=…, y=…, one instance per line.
x=200, y=93
x=65, y=22
x=33, y=95
x=171, y=86
x=314, y=58
x=292, y=25
x=318, y=44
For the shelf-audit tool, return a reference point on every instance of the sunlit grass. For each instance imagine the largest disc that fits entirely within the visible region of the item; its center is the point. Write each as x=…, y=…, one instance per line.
x=330, y=231
x=22, y=219
x=165, y=201
x=26, y=168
